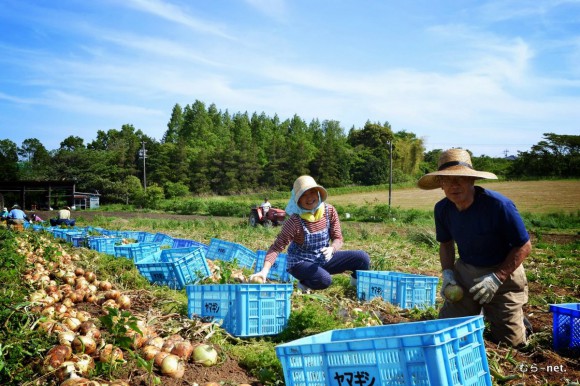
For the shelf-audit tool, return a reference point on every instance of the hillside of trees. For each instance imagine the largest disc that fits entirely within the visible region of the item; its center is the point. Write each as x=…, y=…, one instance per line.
x=208, y=151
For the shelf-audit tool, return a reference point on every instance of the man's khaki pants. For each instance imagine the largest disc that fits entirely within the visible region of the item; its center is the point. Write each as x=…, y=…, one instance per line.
x=504, y=312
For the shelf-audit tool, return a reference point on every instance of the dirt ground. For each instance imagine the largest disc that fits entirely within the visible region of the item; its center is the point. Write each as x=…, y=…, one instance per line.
x=534, y=367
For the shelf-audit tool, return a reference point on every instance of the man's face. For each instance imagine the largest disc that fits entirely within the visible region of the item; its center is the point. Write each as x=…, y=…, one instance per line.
x=309, y=199
x=458, y=190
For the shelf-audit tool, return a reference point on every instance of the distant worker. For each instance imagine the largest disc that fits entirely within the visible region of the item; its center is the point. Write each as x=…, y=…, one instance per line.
x=4, y=214
x=16, y=216
x=265, y=206
x=492, y=243
x=64, y=213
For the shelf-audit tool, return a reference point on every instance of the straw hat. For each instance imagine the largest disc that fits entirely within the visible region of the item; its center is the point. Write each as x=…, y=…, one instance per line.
x=453, y=162
x=304, y=183
x=15, y=206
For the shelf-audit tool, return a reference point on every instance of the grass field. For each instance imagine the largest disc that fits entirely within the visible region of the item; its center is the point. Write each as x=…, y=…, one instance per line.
x=529, y=196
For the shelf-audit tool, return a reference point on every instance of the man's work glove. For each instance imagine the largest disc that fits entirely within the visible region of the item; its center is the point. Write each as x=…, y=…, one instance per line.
x=448, y=278
x=485, y=288
x=327, y=253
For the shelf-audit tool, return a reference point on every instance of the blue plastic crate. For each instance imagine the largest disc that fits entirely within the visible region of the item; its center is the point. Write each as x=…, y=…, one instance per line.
x=278, y=270
x=566, y=327
x=448, y=352
x=163, y=239
x=37, y=228
x=177, y=273
x=130, y=235
x=172, y=254
x=80, y=241
x=104, y=244
x=184, y=243
x=124, y=250
x=145, y=237
x=140, y=251
x=402, y=289
x=69, y=235
x=244, y=309
x=228, y=251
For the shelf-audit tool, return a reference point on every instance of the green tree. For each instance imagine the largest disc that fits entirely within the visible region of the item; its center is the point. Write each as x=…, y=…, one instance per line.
x=371, y=153
x=558, y=155
x=8, y=160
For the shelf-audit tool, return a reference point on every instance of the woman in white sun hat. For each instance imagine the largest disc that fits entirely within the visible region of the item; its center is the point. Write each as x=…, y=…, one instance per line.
x=314, y=236
x=492, y=243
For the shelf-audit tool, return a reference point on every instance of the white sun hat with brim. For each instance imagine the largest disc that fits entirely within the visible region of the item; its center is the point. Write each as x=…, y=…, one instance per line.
x=456, y=163
x=304, y=183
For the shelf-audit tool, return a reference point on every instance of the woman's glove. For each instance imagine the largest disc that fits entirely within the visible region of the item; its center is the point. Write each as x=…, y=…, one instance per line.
x=485, y=288
x=327, y=253
x=448, y=278
x=263, y=274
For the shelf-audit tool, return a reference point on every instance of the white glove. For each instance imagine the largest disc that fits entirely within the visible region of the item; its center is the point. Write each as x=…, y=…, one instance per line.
x=485, y=288
x=263, y=274
x=327, y=252
x=448, y=278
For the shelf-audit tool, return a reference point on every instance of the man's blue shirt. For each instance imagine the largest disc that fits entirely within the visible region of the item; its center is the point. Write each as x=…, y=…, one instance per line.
x=485, y=232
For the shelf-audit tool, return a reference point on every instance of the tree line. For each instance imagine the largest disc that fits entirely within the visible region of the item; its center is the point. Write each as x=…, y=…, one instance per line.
x=208, y=151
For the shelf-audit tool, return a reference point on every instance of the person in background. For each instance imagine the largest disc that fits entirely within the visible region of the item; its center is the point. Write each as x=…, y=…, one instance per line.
x=492, y=243
x=266, y=206
x=64, y=213
x=16, y=216
x=35, y=218
x=314, y=236
x=4, y=217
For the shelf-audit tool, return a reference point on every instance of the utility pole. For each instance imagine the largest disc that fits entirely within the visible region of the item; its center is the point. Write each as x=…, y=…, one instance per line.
x=391, y=170
x=143, y=154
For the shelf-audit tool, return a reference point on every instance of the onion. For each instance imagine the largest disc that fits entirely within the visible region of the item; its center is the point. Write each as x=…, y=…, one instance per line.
x=84, y=363
x=113, y=294
x=156, y=341
x=72, y=323
x=66, y=337
x=159, y=357
x=90, y=276
x=183, y=349
x=79, y=271
x=111, y=354
x=84, y=344
x=83, y=316
x=85, y=326
x=109, y=304
x=172, y=366
x=94, y=333
x=105, y=285
x=205, y=355
x=150, y=351
x=124, y=302
x=65, y=370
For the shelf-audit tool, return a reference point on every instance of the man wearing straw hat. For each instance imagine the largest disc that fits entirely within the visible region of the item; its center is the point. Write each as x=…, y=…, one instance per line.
x=314, y=234
x=492, y=242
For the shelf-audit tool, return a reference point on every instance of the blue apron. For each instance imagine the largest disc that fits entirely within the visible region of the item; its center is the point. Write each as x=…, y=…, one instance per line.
x=313, y=243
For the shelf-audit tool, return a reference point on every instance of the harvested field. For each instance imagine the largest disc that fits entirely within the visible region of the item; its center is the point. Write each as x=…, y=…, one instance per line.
x=529, y=196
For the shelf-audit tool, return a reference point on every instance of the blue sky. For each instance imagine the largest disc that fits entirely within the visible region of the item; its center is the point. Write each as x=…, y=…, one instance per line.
x=488, y=76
